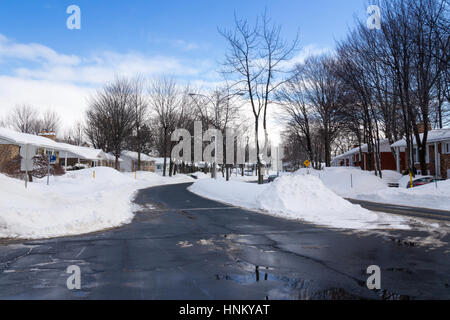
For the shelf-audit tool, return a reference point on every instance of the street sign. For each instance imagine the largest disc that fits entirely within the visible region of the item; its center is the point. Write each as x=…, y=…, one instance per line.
x=52, y=159
x=307, y=163
x=27, y=153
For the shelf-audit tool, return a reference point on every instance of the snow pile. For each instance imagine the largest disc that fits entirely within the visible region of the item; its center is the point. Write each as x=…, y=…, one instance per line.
x=147, y=179
x=72, y=204
x=390, y=176
x=364, y=185
x=297, y=197
x=432, y=195
x=201, y=175
x=347, y=182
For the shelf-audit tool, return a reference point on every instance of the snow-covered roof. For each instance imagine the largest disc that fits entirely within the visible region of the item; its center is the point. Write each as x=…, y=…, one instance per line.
x=161, y=160
x=433, y=136
x=134, y=156
x=82, y=152
x=19, y=138
x=384, y=147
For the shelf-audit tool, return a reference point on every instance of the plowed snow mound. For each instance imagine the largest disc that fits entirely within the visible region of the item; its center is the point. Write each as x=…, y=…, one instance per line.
x=297, y=197
x=347, y=181
x=72, y=204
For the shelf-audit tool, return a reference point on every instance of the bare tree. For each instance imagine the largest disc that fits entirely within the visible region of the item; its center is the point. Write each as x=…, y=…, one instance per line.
x=139, y=104
x=50, y=121
x=417, y=56
x=324, y=93
x=165, y=101
x=110, y=117
x=75, y=135
x=297, y=114
x=4, y=123
x=23, y=118
x=257, y=54
x=221, y=111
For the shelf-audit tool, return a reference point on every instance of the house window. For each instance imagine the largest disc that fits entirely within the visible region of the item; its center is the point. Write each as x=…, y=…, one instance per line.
x=416, y=155
x=446, y=147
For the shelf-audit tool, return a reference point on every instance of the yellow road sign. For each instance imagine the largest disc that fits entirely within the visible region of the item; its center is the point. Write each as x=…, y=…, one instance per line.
x=307, y=163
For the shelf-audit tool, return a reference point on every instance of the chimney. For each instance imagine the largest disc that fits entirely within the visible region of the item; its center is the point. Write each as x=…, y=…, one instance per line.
x=48, y=134
x=421, y=127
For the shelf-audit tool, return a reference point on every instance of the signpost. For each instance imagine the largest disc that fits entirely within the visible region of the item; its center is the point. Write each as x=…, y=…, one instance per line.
x=27, y=153
x=51, y=160
x=410, y=179
x=307, y=164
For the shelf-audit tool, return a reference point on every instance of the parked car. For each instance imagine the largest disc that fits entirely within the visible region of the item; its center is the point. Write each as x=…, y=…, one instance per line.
x=393, y=185
x=420, y=182
x=248, y=172
x=272, y=178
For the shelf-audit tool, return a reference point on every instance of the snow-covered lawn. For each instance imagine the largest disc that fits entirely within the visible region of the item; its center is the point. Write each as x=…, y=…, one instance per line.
x=72, y=204
x=297, y=197
x=238, y=177
x=357, y=184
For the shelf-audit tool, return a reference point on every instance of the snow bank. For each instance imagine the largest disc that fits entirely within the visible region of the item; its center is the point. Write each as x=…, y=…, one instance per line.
x=72, y=204
x=297, y=197
x=390, y=176
x=433, y=195
x=201, y=175
x=347, y=182
x=363, y=185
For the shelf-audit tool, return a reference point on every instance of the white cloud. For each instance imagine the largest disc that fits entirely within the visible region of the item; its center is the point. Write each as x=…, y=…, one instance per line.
x=185, y=45
x=48, y=79
x=178, y=43
x=33, y=52
x=105, y=66
x=307, y=51
x=68, y=100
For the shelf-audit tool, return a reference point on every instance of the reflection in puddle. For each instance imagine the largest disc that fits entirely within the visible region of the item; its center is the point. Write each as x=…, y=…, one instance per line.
x=299, y=289
x=250, y=278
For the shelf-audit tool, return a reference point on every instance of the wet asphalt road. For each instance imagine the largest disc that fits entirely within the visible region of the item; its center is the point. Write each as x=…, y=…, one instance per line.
x=439, y=215
x=182, y=246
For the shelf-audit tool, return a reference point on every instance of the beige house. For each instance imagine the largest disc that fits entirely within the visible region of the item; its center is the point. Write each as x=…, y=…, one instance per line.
x=130, y=162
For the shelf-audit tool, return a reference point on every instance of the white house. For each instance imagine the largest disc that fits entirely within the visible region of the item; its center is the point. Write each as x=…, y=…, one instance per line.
x=159, y=164
x=130, y=162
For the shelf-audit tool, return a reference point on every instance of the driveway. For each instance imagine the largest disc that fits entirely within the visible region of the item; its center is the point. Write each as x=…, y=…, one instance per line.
x=181, y=246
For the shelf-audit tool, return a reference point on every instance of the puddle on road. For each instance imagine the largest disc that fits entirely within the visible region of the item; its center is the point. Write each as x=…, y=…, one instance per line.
x=299, y=289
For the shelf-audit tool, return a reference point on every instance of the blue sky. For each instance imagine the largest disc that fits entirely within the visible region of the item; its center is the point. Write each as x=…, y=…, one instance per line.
x=40, y=56
x=136, y=24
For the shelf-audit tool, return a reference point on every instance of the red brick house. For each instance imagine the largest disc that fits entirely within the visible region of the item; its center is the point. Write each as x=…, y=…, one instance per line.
x=437, y=153
x=353, y=158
